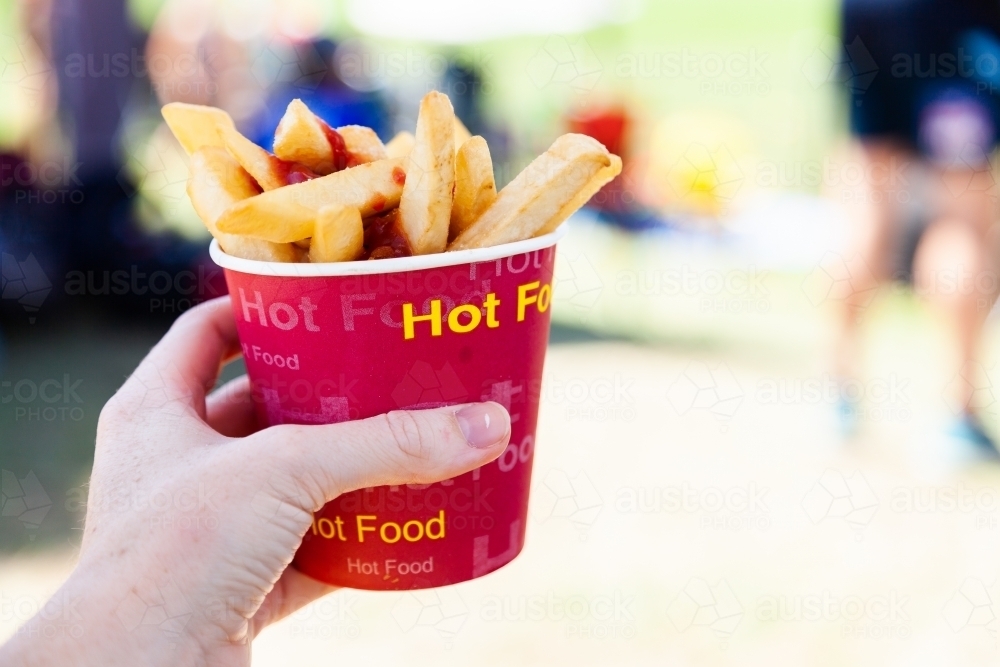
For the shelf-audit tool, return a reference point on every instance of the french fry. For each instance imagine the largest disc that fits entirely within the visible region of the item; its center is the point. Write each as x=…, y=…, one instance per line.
x=304, y=137
x=288, y=214
x=400, y=145
x=425, y=205
x=363, y=145
x=475, y=188
x=462, y=133
x=265, y=168
x=196, y=126
x=339, y=235
x=301, y=138
x=598, y=181
x=217, y=182
x=542, y=192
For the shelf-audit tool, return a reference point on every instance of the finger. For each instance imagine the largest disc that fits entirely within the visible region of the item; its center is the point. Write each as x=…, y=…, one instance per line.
x=402, y=447
x=230, y=409
x=291, y=592
x=185, y=364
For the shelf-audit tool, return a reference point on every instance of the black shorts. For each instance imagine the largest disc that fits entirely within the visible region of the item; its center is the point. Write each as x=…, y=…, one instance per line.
x=925, y=73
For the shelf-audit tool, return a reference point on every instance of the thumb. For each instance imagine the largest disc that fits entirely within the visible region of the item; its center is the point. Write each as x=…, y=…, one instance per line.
x=401, y=447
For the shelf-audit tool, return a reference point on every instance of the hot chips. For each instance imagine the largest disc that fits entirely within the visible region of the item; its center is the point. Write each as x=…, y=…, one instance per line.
x=341, y=195
x=260, y=164
x=196, y=126
x=400, y=145
x=288, y=214
x=363, y=145
x=305, y=139
x=475, y=189
x=300, y=138
x=339, y=235
x=540, y=194
x=217, y=182
x=425, y=206
x=462, y=133
x=598, y=181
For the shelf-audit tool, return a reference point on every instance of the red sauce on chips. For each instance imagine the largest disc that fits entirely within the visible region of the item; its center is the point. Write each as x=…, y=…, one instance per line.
x=384, y=238
x=342, y=159
x=292, y=172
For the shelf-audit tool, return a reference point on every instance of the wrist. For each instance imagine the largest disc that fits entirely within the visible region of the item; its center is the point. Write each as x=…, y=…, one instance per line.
x=94, y=619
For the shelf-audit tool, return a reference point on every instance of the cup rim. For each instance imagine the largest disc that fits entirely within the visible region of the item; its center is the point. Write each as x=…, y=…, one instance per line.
x=390, y=265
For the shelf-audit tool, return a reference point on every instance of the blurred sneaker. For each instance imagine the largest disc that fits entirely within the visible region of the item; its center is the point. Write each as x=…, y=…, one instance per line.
x=968, y=433
x=962, y=445
x=848, y=416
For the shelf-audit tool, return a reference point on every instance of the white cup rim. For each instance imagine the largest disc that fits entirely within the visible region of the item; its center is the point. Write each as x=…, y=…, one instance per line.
x=391, y=265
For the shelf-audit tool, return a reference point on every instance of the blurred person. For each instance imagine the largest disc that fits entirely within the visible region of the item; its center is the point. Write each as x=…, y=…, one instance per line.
x=252, y=73
x=924, y=113
x=220, y=573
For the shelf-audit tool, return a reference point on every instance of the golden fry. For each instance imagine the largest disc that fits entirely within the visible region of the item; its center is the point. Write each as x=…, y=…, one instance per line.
x=542, y=192
x=400, y=145
x=475, y=188
x=196, y=126
x=288, y=214
x=462, y=133
x=300, y=138
x=339, y=235
x=425, y=205
x=260, y=164
x=363, y=145
x=598, y=181
x=217, y=182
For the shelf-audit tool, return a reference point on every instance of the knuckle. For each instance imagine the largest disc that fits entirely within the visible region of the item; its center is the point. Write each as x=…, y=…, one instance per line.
x=113, y=415
x=408, y=436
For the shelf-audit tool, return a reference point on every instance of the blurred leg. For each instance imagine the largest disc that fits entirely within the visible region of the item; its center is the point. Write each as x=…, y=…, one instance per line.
x=871, y=211
x=955, y=268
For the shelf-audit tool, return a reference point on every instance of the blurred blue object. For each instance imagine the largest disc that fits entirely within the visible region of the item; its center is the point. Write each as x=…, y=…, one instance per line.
x=330, y=99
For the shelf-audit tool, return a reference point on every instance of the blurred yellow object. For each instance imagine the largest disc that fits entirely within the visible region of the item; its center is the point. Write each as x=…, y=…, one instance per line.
x=694, y=164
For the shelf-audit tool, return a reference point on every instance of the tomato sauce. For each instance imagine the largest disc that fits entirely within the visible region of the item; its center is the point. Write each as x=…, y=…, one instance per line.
x=384, y=238
x=291, y=172
x=342, y=158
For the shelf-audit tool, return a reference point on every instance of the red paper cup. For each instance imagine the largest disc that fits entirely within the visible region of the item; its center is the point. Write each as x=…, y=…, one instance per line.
x=326, y=343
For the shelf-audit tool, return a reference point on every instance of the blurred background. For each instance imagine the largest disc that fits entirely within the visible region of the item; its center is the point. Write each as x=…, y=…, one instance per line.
x=768, y=424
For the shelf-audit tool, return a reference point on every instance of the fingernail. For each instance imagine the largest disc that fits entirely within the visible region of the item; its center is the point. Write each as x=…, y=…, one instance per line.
x=483, y=424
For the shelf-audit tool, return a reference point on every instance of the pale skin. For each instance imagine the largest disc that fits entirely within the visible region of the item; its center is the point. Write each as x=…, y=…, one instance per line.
x=211, y=554
x=954, y=269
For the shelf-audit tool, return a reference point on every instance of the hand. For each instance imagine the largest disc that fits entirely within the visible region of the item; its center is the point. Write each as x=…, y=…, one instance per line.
x=193, y=518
